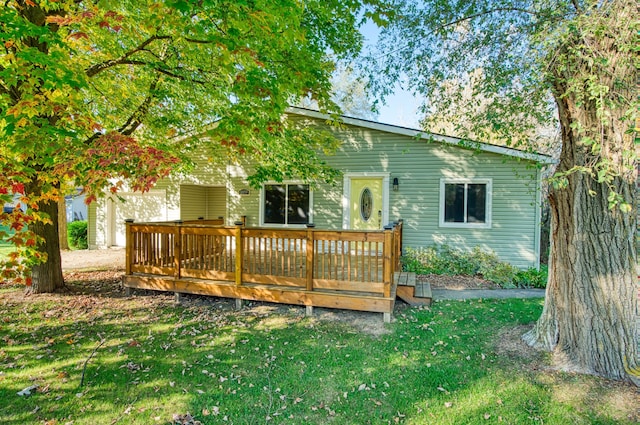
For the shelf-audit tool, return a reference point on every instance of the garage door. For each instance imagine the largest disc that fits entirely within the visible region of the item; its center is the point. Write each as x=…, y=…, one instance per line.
x=142, y=207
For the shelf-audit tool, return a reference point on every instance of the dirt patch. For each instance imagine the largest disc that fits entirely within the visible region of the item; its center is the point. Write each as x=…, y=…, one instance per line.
x=438, y=281
x=509, y=343
x=622, y=400
x=94, y=259
x=106, y=286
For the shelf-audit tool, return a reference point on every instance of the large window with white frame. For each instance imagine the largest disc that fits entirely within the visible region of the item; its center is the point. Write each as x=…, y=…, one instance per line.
x=465, y=203
x=285, y=204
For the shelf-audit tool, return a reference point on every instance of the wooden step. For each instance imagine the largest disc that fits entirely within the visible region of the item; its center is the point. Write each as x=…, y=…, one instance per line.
x=415, y=296
x=404, y=278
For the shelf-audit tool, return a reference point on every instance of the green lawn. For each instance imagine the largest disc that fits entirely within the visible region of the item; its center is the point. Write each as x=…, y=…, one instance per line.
x=456, y=363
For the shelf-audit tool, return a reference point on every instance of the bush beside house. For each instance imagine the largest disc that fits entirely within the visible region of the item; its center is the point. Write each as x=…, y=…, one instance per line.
x=443, y=259
x=77, y=234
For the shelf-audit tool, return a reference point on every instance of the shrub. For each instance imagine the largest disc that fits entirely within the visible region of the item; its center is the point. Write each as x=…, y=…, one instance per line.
x=444, y=259
x=532, y=278
x=77, y=234
x=500, y=273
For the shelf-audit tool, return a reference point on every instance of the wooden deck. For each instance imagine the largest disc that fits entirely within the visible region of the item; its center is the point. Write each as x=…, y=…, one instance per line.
x=316, y=268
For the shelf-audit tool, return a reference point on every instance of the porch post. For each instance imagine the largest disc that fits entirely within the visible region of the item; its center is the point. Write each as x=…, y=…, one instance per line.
x=129, y=246
x=239, y=225
x=387, y=261
x=310, y=256
x=177, y=248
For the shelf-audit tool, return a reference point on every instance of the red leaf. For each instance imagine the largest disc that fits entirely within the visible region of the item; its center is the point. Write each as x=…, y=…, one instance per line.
x=30, y=242
x=78, y=35
x=28, y=281
x=3, y=191
x=17, y=188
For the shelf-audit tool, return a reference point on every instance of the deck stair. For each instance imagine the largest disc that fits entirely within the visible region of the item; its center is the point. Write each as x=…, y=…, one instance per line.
x=412, y=292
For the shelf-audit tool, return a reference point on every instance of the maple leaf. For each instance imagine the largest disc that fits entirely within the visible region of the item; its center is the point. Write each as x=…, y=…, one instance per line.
x=17, y=188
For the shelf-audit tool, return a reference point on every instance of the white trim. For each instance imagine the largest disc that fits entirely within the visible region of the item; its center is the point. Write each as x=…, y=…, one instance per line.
x=418, y=134
x=488, y=203
x=288, y=226
x=346, y=195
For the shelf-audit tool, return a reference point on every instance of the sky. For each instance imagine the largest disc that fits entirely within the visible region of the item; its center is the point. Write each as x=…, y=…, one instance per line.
x=402, y=107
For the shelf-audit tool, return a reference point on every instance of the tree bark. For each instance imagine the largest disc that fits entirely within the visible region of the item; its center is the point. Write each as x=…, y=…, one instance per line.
x=62, y=224
x=589, y=315
x=47, y=276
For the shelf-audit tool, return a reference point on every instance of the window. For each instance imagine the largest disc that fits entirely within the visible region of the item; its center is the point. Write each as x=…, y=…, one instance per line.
x=465, y=203
x=286, y=204
x=366, y=203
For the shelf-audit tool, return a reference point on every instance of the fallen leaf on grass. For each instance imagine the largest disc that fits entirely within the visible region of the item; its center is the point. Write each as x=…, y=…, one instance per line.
x=185, y=419
x=27, y=391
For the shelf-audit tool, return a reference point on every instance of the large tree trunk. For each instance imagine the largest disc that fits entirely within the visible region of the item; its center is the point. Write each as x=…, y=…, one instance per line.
x=589, y=312
x=47, y=277
x=62, y=223
x=589, y=315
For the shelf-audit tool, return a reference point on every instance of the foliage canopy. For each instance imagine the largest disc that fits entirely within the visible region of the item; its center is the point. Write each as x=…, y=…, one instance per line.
x=99, y=93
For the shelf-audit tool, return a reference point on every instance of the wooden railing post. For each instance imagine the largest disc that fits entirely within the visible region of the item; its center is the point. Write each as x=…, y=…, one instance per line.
x=129, y=246
x=177, y=249
x=239, y=258
x=310, y=256
x=399, y=229
x=387, y=261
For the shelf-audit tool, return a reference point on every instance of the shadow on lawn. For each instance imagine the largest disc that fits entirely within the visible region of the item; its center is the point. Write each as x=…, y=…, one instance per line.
x=270, y=364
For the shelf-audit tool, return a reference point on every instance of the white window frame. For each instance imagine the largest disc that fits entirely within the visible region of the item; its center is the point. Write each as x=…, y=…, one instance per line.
x=488, y=203
x=287, y=183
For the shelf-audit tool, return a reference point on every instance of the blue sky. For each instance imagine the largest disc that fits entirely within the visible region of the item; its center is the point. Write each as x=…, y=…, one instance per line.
x=402, y=107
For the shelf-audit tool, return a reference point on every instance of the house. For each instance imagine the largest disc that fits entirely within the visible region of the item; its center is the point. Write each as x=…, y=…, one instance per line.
x=444, y=191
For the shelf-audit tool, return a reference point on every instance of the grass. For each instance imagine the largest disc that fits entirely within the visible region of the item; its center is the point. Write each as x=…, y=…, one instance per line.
x=456, y=363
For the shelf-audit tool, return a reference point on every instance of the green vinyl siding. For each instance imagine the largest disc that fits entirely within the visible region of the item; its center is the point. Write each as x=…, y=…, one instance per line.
x=216, y=202
x=419, y=166
x=193, y=202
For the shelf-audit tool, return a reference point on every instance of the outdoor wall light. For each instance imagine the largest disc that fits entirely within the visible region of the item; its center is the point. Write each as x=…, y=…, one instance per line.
x=396, y=184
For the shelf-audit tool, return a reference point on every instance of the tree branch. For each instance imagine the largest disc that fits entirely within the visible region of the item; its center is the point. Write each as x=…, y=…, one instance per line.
x=466, y=18
x=135, y=120
x=84, y=367
x=99, y=67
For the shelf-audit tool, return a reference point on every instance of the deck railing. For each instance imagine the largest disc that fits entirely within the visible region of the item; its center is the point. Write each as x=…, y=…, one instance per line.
x=310, y=259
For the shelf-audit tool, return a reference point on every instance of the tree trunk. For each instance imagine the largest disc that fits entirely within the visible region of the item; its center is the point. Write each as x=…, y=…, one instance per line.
x=62, y=224
x=589, y=314
x=47, y=277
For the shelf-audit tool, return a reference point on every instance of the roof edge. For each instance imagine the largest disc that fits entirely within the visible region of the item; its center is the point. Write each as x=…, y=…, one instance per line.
x=419, y=134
